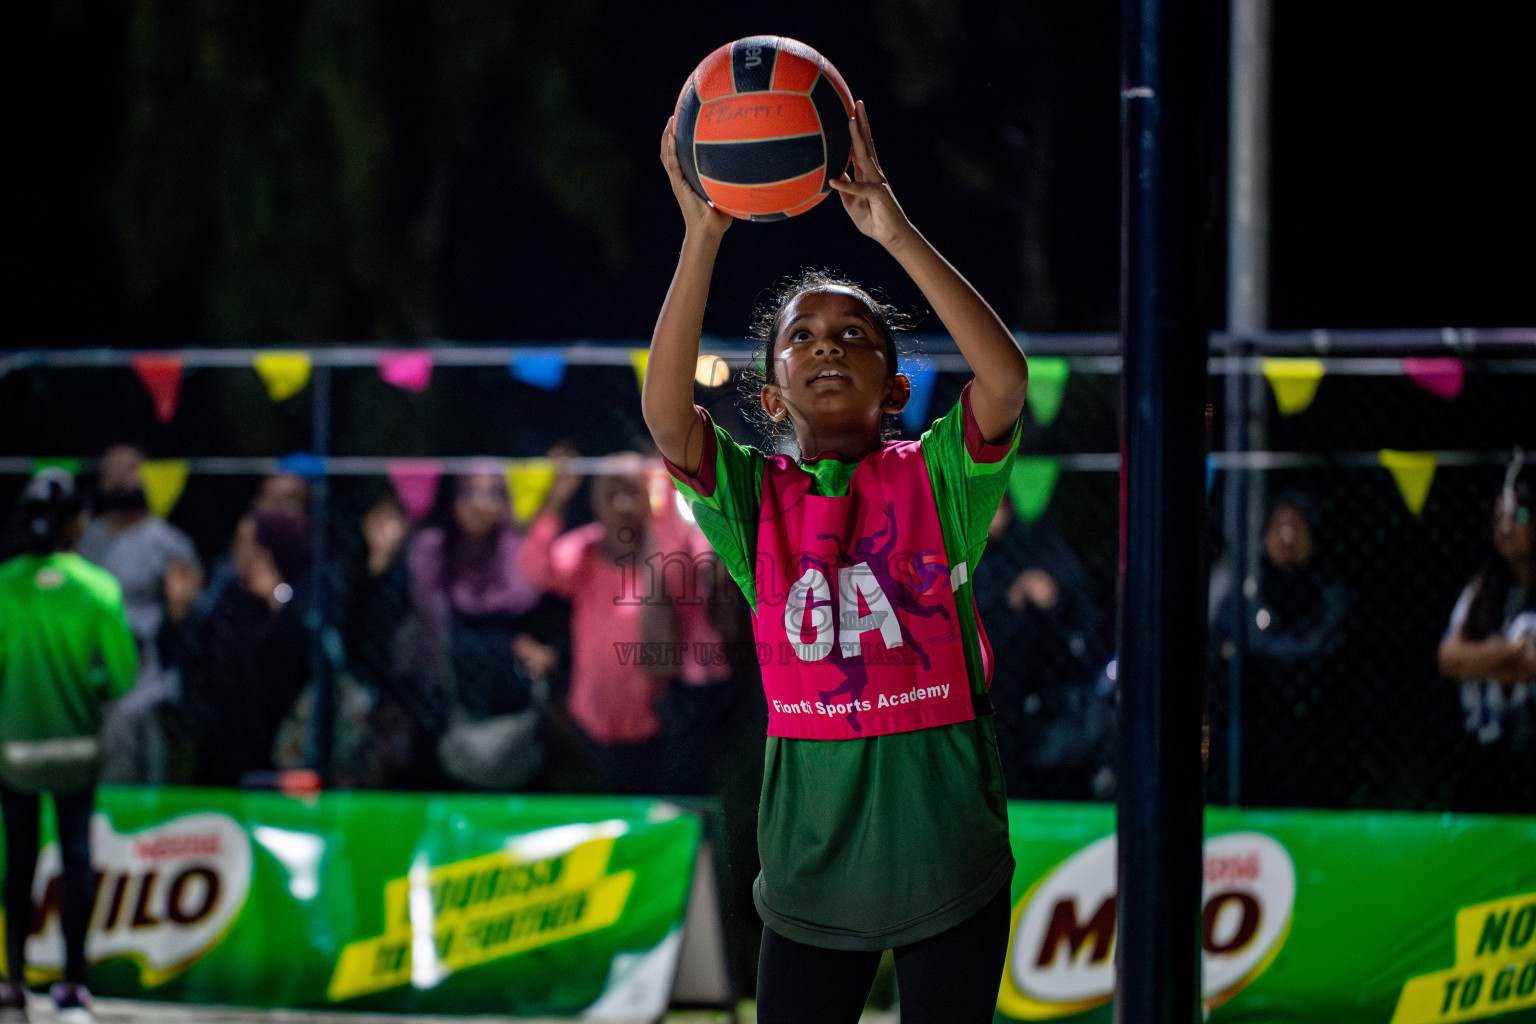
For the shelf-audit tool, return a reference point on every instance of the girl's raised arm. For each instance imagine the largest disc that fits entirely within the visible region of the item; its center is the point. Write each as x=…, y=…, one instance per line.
x=667, y=398
x=997, y=393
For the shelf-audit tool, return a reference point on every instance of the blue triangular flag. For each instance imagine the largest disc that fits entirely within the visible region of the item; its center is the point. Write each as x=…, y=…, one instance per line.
x=921, y=373
x=541, y=367
x=305, y=464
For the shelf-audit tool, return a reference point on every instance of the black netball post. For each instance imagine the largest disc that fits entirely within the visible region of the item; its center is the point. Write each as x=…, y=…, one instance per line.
x=1162, y=463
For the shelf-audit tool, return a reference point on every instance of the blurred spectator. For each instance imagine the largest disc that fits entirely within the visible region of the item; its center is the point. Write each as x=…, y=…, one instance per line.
x=379, y=633
x=65, y=649
x=693, y=601
x=246, y=661
x=618, y=673
x=280, y=492
x=1295, y=703
x=161, y=575
x=1054, y=729
x=1490, y=647
x=464, y=644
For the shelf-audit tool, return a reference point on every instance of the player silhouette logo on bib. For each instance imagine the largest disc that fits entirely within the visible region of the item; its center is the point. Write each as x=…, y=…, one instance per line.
x=856, y=603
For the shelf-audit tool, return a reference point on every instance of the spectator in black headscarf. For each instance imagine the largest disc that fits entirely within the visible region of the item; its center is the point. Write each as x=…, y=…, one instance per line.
x=1295, y=721
x=246, y=661
x=1054, y=729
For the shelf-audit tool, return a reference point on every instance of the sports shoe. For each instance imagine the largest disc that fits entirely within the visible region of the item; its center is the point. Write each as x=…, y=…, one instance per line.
x=13, y=1003
x=72, y=1003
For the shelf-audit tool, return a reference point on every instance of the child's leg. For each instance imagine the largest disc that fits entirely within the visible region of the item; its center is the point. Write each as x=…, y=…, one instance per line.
x=73, y=811
x=953, y=977
x=20, y=812
x=800, y=984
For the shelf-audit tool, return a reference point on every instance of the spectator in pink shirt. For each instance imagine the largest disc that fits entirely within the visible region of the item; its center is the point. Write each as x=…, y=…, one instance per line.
x=620, y=665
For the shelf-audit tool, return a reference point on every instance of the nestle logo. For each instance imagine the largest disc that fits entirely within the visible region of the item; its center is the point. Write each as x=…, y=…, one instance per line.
x=176, y=847
x=1243, y=868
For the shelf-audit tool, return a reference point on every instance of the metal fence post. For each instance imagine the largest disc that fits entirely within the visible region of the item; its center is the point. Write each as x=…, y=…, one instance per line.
x=317, y=617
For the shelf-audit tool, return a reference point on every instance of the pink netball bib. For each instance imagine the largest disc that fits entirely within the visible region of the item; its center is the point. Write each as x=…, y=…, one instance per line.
x=856, y=620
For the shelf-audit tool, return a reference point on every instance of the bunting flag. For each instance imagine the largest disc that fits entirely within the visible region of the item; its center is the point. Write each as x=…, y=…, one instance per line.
x=1031, y=483
x=1413, y=472
x=528, y=484
x=305, y=464
x=1294, y=382
x=541, y=367
x=409, y=370
x=415, y=483
x=1441, y=376
x=164, y=480
x=712, y=372
x=922, y=375
x=638, y=357
x=284, y=373
x=1047, y=383
x=161, y=377
x=68, y=465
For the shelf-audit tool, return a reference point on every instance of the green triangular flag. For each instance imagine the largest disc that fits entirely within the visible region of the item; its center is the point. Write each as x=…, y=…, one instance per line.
x=1413, y=472
x=164, y=480
x=638, y=358
x=68, y=465
x=1047, y=380
x=1031, y=483
x=1294, y=382
x=284, y=373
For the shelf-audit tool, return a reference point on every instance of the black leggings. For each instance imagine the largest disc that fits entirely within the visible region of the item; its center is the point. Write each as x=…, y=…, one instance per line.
x=73, y=812
x=951, y=978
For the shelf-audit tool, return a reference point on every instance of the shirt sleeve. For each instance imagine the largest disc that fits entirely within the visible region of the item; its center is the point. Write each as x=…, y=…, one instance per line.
x=550, y=566
x=725, y=498
x=969, y=475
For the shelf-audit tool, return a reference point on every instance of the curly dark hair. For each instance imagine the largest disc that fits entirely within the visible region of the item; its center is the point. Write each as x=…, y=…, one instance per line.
x=766, y=322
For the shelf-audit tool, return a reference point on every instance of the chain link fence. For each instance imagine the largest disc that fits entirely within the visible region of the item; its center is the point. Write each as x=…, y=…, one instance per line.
x=1352, y=496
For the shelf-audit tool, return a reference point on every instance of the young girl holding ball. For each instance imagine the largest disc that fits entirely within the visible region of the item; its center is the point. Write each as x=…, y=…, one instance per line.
x=883, y=822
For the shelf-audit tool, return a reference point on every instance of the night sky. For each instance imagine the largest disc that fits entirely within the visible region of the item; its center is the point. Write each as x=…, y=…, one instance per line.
x=1402, y=197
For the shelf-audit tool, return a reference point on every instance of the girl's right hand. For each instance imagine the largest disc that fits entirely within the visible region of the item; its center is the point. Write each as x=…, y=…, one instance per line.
x=698, y=214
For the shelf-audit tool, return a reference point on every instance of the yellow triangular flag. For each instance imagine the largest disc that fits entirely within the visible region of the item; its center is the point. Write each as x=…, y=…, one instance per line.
x=638, y=358
x=1413, y=472
x=164, y=480
x=1295, y=382
x=528, y=484
x=284, y=373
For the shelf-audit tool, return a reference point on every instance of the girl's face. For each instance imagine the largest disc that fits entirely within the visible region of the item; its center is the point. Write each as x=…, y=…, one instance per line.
x=1512, y=529
x=480, y=505
x=831, y=371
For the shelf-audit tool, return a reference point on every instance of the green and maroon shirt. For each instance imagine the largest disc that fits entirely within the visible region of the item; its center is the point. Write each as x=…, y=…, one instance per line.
x=901, y=831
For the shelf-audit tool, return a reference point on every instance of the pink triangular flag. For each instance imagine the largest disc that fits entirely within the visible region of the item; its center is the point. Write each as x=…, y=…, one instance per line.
x=415, y=482
x=409, y=370
x=161, y=377
x=1441, y=376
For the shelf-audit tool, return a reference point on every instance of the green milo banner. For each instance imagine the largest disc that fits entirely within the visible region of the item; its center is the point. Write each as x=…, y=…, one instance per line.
x=544, y=906
x=1344, y=917
x=386, y=902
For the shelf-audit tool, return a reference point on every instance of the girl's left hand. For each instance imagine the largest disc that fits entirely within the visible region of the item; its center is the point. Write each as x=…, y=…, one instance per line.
x=867, y=196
